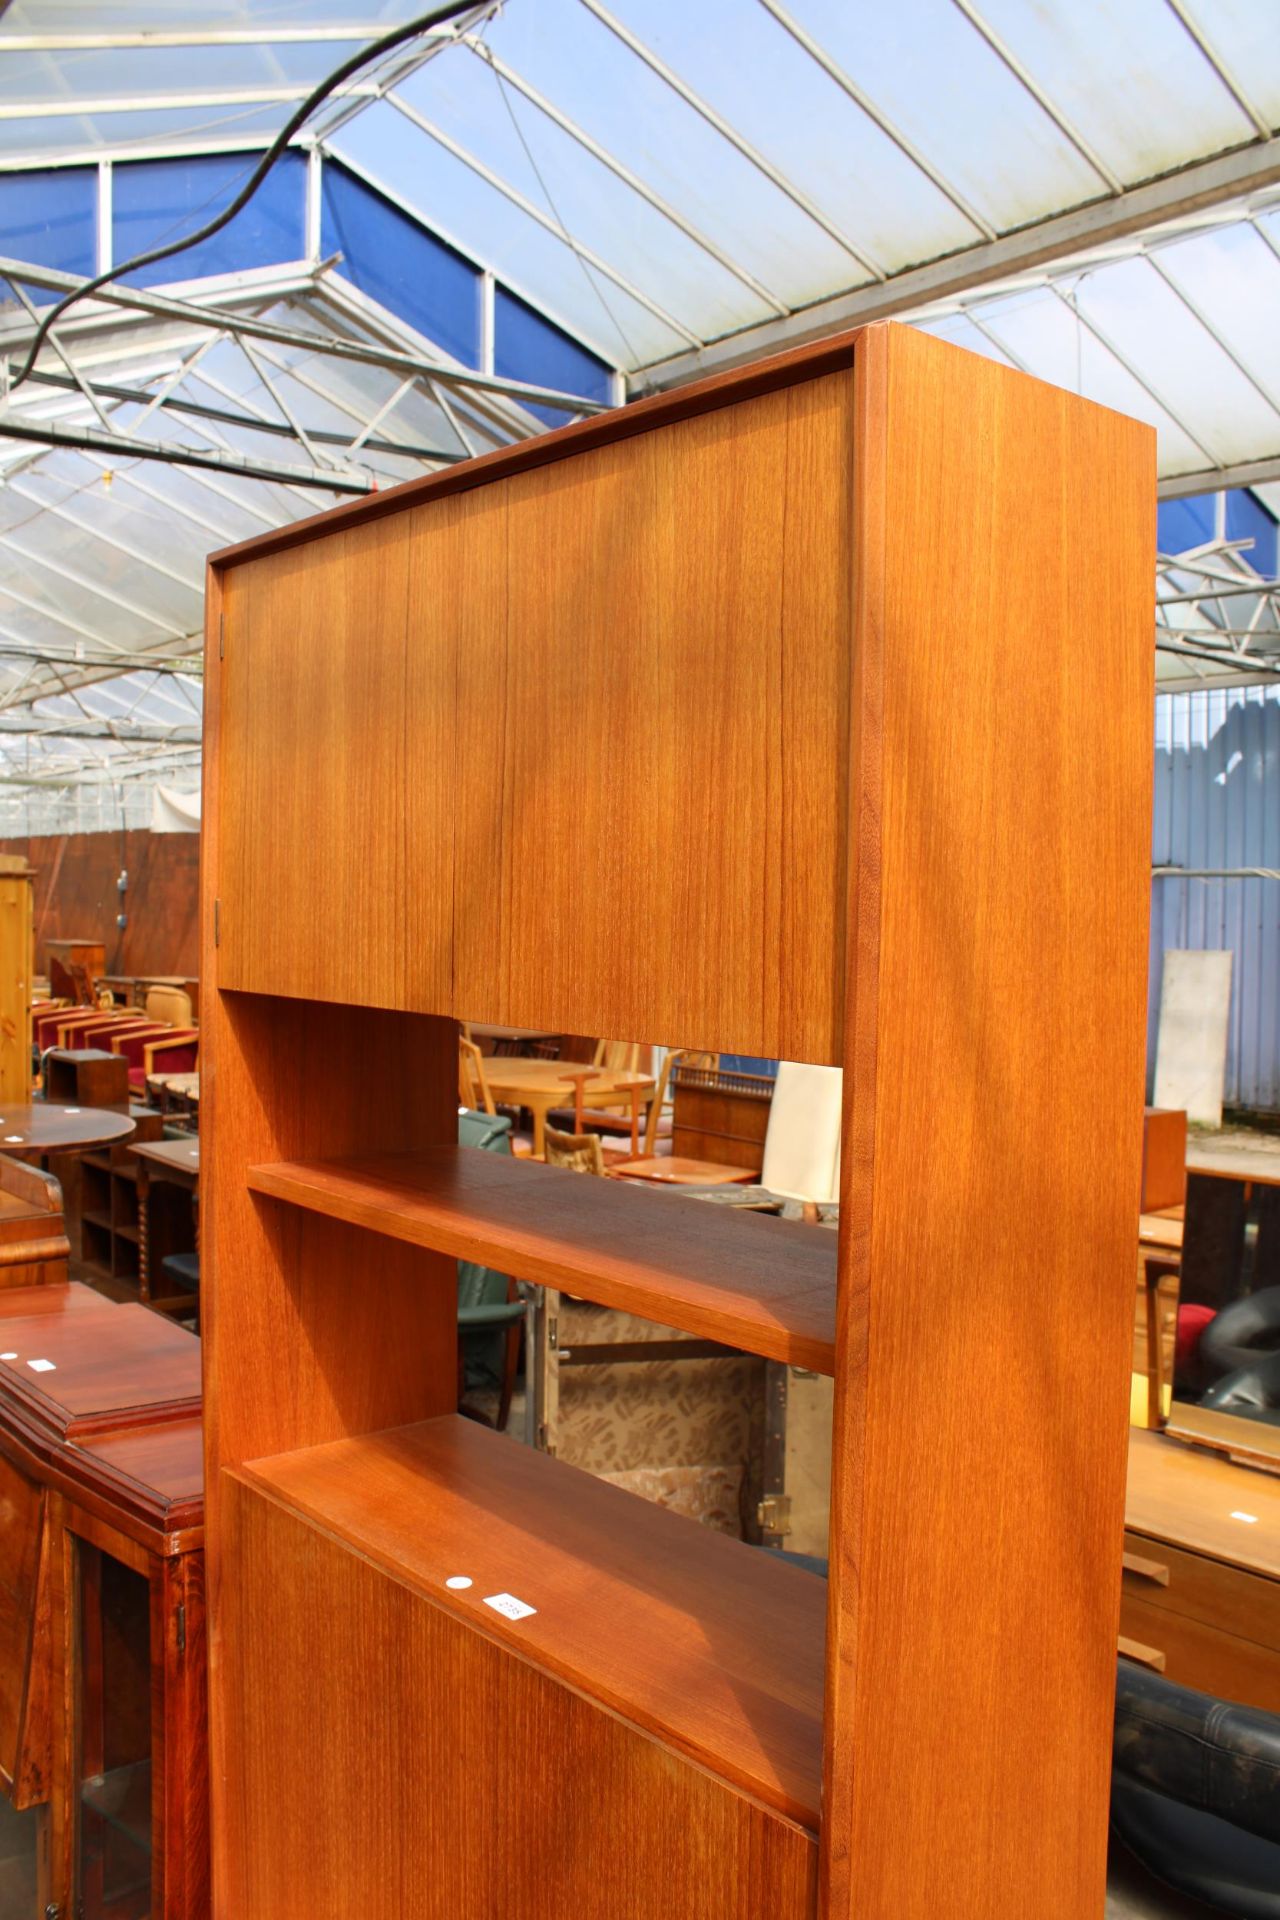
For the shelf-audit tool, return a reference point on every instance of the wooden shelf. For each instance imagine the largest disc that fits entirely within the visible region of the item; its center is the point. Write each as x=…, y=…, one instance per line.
x=715, y=1647
x=749, y=1280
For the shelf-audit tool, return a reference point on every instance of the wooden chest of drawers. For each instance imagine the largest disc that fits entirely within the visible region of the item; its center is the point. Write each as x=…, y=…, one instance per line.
x=1201, y=1584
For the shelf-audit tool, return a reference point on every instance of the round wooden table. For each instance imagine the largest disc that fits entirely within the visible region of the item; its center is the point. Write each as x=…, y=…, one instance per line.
x=541, y=1085
x=50, y=1127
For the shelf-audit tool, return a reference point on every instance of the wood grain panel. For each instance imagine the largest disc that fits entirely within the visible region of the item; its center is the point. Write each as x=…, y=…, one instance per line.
x=711, y=1645
x=446, y=1724
x=1191, y=1498
x=674, y=735
x=999, y=940
x=313, y=689
x=1242, y=1603
x=765, y=1285
x=456, y=798
x=21, y=1520
x=1201, y=1654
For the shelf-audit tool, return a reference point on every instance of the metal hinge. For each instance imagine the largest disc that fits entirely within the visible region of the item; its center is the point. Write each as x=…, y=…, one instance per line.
x=774, y=1515
x=221, y=635
x=182, y=1628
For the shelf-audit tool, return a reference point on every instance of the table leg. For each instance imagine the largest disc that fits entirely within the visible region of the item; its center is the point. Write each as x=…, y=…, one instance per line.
x=539, y=1109
x=144, y=1229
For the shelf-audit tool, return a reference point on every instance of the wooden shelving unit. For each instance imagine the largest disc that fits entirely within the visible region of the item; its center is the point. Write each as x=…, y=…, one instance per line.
x=765, y=1285
x=643, y=729
x=712, y=1646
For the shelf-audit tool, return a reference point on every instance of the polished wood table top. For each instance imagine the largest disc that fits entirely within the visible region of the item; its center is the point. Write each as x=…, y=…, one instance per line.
x=676, y=1170
x=86, y=1372
x=176, y=1156
x=1198, y=1500
x=541, y=1085
x=48, y=1127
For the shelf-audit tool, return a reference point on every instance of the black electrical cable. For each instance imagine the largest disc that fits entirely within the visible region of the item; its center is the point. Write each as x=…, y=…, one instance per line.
x=408, y=31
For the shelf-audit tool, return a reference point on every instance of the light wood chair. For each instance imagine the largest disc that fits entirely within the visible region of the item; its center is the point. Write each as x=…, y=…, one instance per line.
x=475, y=1092
x=473, y=1087
x=677, y=1057
x=579, y=1152
x=617, y=1056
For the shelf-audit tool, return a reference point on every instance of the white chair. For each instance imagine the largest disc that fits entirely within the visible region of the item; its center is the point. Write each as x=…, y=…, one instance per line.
x=802, y=1143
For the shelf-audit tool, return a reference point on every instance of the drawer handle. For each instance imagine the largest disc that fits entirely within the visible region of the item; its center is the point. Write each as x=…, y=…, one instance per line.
x=1146, y=1569
x=1144, y=1656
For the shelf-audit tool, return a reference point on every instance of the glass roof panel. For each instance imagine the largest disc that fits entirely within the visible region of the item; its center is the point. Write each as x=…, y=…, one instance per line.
x=1130, y=78
x=1243, y=34
x=961, y=106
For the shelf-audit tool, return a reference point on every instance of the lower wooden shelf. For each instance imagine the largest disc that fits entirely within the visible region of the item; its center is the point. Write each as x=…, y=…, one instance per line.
x=713, y=1647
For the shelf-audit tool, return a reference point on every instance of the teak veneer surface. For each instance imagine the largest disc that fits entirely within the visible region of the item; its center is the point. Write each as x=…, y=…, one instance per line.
x=1188, y=1496
x=528, y=631
x=762, y=1284
x=70, y=1296
x=711, y=1645
x=104, y=1366
x=463, y=1779
x=158, y=1470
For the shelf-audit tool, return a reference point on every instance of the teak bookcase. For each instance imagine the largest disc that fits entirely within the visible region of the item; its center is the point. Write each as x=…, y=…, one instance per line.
x=804, y=713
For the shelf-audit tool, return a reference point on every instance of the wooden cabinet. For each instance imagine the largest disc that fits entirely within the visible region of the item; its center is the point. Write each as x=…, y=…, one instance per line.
x=745, y=718
x=1202, y=1570
x=17, y=967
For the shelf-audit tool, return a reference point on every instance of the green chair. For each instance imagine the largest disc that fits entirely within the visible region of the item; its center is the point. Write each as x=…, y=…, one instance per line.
x=489, y=1313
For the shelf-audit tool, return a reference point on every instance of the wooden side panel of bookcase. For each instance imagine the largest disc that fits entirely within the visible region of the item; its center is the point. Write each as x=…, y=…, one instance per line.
x=311, y=1330
x=1000, y=852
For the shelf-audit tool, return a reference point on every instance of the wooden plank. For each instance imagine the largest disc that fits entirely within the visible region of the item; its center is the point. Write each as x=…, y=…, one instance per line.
x=761, y=1284
x=642, y=416
x=674, y=575
x=444, y=1719
x=313, y=684
x=714, y=1646
x=1191, y=1498
x=1000, y=856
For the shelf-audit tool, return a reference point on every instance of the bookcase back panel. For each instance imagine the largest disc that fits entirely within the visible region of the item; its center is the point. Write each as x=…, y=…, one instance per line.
x=565, y=751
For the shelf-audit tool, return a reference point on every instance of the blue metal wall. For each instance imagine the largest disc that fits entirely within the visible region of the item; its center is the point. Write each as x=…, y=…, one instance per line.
x=1217, y=804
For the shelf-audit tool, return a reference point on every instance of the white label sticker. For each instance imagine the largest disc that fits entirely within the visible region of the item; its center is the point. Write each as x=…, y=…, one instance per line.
x=8, y=1356
x=506, y=1603
x=459, y=1582
x=42, y=1366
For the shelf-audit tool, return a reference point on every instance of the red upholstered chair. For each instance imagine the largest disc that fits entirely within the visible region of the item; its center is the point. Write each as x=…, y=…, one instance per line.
x=82, y=1028
x=44, y=1023
x=177, y=1051
x=132, y=1042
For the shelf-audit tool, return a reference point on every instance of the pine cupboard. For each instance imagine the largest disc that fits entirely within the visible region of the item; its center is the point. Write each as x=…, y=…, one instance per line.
x=749, y=718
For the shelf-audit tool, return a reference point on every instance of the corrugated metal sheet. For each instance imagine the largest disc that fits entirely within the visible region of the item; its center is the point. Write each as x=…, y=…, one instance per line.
x=1217, y=804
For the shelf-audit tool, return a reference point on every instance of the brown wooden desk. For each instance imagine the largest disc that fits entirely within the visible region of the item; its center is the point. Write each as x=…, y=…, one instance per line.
x=1201, y=1592
x=48, y=1127
x=173, y=1164
x=102, y=1669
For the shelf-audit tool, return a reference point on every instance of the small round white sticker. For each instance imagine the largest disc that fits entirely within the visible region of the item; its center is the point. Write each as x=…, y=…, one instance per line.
x=459, y=1582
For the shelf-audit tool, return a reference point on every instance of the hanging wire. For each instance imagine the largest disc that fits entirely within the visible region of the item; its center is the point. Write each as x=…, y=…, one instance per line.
x=410, y=30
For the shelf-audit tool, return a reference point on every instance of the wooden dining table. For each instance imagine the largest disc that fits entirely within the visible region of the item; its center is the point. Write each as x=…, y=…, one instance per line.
x=540, y=1085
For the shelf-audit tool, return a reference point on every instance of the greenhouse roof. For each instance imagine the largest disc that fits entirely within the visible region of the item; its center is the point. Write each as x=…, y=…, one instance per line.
x=578, y=199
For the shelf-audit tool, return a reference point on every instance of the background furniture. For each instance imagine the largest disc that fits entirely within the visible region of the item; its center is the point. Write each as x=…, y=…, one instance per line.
x=1164, y=1159
x=103, y=1204
x=541, y=1085
x=1201, y=1593
x=17, y=969
x=168, y=1200
x=837, y=866
x=490, y=1310
x=719, y=1114
x=73, y=966
x=85, y=1077
x=102, y=1672
x=33, y=1232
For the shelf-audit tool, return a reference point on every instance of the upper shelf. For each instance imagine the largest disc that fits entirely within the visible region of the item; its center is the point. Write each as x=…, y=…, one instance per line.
x=714, y=1647
x=752, y=1281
